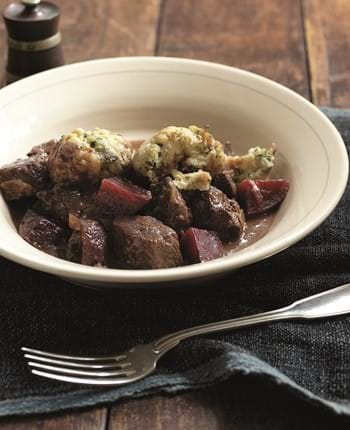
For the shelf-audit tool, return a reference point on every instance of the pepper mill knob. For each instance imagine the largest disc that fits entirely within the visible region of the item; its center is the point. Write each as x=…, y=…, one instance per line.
x=34, y=41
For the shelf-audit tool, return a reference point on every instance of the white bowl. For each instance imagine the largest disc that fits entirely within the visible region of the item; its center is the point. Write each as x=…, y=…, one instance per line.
x=138, y=96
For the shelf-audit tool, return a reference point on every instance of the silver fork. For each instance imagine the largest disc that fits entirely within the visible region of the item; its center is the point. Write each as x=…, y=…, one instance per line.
x=141, y=360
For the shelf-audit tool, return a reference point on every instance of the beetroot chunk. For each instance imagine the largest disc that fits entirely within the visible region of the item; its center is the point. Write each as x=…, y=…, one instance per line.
x=198, y=245
x=94, y=244
x=249, y=197
x=260, y=196
x=88, y=243
x=119, y=197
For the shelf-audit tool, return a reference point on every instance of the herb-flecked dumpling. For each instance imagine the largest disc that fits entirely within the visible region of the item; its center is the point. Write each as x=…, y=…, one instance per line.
x=89, y=155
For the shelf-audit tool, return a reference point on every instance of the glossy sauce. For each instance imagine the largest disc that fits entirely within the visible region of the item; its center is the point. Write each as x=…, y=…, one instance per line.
x=256, y=229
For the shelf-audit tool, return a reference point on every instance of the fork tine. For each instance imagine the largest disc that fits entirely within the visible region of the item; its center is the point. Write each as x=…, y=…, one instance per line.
x=113, y=365
x=88, y=381
x=97, y=374
x=73, y=357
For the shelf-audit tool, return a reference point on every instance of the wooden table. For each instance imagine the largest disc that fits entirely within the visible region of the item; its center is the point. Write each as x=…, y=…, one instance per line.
x=303, y=44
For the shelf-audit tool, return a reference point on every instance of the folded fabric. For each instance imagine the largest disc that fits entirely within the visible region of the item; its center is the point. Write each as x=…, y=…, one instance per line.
x=309, y=359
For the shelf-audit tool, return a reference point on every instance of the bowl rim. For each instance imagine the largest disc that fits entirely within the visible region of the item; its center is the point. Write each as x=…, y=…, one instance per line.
x=76, y=271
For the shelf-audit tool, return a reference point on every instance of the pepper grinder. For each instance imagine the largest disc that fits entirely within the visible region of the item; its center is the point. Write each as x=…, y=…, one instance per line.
x=34, y=41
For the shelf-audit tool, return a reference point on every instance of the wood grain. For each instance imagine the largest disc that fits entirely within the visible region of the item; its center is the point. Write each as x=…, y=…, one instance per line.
x=238, y=404
x=328, y=43
x=107, y=28
x=188, y=411
x=262, y=36
x=3, y=42
x=94, y=419
x=102, y=28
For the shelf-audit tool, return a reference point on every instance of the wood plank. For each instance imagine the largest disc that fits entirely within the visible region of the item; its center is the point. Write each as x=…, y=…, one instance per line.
x=238, y=404
x=3, y=42
x=328, y=45
x=186, y=412
x=94, y=419
x=261, y=36
x=104, y=28
x=107, y=28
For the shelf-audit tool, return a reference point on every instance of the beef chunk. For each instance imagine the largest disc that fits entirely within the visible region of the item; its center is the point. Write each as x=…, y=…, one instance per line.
x=143, y=242
x=24, y=177
x=63, y=200
x=224, y=181
x=42, y=148
x=120, y=197
x=213, y=210
x=199, y=245
x=43, y=233
x=169, y=206
x=74, y=247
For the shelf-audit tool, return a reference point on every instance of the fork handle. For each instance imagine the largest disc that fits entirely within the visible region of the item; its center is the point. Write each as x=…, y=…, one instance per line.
x=326, y=304
x=169, y=341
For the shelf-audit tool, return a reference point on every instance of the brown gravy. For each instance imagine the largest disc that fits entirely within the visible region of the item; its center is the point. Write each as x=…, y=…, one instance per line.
x=256, y=229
